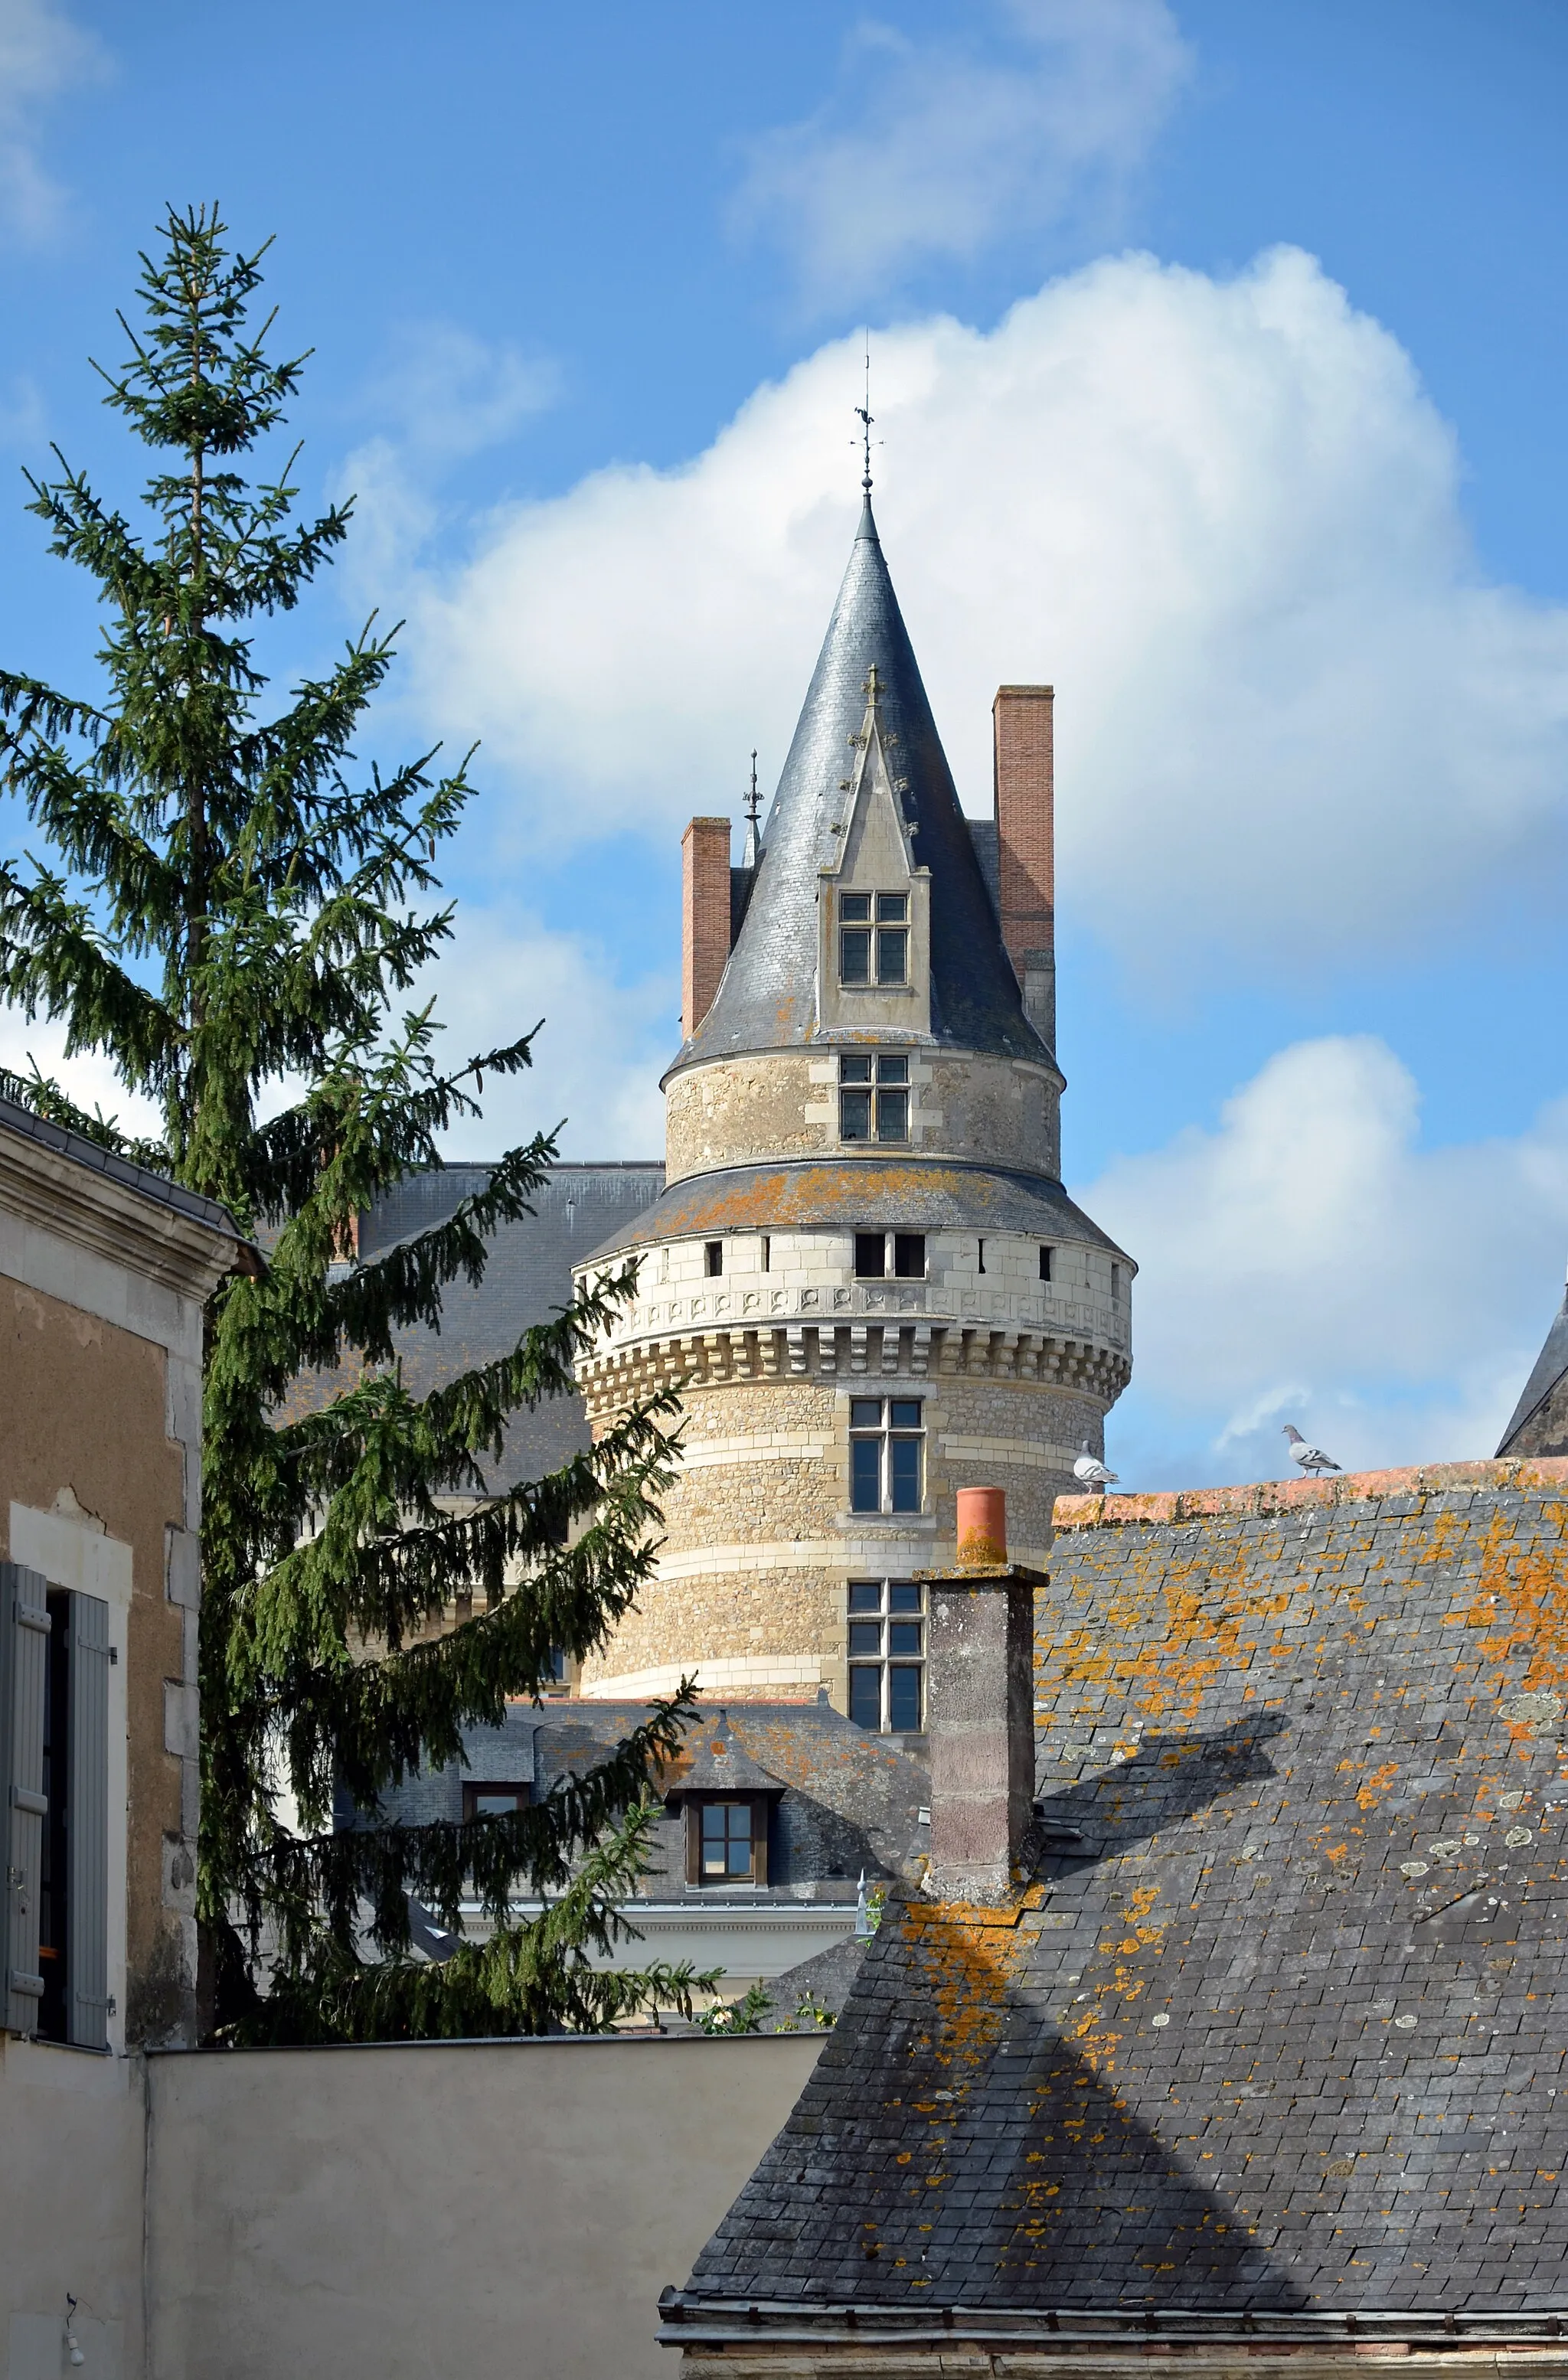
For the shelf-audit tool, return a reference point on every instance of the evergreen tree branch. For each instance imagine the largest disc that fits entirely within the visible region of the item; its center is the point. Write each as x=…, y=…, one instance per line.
x=41, y=1096
x=277, y=903
x=532, y=1978
x=54, y=960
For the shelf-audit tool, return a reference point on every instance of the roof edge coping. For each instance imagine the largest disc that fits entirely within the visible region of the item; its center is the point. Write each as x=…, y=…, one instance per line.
x=1261, y=1498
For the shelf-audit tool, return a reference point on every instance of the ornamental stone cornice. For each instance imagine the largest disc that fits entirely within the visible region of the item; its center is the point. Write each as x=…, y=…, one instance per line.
x=713, y=1357
x=56, y=1182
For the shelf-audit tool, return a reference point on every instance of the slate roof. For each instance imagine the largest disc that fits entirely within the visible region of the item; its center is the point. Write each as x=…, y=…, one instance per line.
x=527, y=1279
x=138, y=1178
x=909, y=1193
x=1283, y=2041
x=714, y=1759
x=1550, y=1373
x=766, y=999
x=844, y=1800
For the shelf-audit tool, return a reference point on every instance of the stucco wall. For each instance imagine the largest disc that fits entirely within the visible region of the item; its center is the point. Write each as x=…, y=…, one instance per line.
x=70, y=2209
x=506, y=2207
x=88, y=1419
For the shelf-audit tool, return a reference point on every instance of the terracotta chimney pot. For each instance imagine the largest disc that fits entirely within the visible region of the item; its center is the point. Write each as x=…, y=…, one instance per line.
x=983, y=1527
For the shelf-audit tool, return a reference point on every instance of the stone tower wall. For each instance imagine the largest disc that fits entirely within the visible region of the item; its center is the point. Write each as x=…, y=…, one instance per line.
x=761, y=1541
x=1012, y=1375
x=751, y=1110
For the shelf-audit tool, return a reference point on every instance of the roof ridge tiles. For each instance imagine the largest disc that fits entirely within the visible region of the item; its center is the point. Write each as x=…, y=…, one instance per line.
x=1261, y=1498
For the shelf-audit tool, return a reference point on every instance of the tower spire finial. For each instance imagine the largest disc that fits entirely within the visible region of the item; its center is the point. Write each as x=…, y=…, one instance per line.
x=864, y=415
x=751, y=849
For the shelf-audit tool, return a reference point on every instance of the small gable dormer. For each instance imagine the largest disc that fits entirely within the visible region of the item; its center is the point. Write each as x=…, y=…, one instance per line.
x=873, y=897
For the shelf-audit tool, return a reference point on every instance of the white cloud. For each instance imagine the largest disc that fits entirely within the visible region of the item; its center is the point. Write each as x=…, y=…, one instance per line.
x=934, y=149
x=41, y=54
x=1307, y=1260
x=1223, y=516
x=450, y=394
x=88, y=1079
x=441, y=396
x=597, y=1062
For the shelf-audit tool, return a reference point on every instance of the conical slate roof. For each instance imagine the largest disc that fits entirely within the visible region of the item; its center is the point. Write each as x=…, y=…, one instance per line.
x=766, y=1000
x=1551, y=1370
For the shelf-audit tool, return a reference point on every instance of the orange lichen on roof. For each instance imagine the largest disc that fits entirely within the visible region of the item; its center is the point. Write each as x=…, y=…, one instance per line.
x=966, y=1957
x=1519, y=1603
x=1172, y=1628
x=804, y=1194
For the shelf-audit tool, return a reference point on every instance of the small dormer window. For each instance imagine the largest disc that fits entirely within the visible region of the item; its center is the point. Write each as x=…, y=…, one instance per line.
x=873, y=1099
x=726, y=1841
x=873, y=940
x=893, y=938
x=493, y=1801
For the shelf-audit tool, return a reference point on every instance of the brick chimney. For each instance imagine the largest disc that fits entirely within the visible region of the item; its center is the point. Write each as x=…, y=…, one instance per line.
x=705, y=917
x=1025, y=830
x=980, y=1709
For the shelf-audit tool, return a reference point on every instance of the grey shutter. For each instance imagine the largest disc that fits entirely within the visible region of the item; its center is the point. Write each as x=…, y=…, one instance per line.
x=87, y=1827
x=24, y=1643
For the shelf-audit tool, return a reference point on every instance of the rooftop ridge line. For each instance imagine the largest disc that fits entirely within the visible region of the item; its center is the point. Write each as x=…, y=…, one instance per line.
x=1262, y=1500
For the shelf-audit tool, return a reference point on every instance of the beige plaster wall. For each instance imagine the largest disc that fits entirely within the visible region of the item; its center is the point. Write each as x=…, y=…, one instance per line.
x=70, y=2210
x=487, y=2207
x=84, y=1433
x=784, y=1103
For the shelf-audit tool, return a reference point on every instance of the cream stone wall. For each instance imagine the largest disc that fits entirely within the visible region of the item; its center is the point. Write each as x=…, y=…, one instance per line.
x=786, y=1281
x=1013, y=1374
x=751, y=1590
x=753, y=1110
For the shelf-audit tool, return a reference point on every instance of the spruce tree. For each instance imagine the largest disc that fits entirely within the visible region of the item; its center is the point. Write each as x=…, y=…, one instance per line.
x=234, y=914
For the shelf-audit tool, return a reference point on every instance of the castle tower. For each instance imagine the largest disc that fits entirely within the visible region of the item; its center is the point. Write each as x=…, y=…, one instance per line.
x=863, y=1269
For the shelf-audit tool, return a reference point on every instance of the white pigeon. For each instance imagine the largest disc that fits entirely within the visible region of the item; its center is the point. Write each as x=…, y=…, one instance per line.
x=1093, y=1474
x=1311, y=1458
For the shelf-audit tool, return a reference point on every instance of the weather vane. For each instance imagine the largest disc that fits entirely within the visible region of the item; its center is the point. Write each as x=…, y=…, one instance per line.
x=753, y=806
x=865, y=416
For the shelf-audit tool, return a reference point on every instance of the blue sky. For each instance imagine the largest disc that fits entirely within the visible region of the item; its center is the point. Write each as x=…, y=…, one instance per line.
x=1220, y=357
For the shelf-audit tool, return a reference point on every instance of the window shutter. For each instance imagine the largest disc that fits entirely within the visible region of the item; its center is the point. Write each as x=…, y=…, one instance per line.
x=24, y=1641
x=87, y=1827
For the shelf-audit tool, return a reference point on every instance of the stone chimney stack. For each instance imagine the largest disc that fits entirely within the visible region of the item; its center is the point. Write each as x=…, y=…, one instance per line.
x=980, y=1709
x=1025, y=844
x=705, y=917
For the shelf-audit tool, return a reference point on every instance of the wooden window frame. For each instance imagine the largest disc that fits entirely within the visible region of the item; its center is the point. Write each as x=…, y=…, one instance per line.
x=474, y=1786
x=758, y=1806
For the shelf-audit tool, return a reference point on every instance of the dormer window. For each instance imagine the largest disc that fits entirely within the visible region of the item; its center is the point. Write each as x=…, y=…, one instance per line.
x=726, y=1841
x=873, y=1099
x=873, y=941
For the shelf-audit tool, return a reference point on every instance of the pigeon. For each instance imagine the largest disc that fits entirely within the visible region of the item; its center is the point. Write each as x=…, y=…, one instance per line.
x=1093, y=1474
x=1311, y=1458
